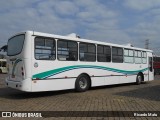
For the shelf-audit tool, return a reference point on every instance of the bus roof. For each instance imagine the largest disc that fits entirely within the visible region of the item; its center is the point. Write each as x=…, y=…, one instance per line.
x=80, y=40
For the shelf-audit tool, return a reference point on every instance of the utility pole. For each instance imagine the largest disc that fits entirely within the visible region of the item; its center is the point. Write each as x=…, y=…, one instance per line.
x=147, y=44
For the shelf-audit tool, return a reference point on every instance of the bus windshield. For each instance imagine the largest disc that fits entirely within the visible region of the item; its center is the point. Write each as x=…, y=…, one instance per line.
x=15, y=45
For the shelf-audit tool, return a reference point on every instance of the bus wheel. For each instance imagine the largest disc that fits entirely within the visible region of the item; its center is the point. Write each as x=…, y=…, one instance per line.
x=0, y=71
x=82, y=83
x=139, y=79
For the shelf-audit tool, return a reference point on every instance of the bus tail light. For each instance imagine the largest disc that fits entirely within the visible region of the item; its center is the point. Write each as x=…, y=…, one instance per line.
x=22, y=71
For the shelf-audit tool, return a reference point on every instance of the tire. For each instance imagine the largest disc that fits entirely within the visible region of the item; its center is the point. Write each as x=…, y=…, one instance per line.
x=139, y=79
x=0, y=71
x=82, y=83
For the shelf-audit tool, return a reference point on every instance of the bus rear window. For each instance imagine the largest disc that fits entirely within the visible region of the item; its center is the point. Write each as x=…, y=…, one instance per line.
x=15, y=45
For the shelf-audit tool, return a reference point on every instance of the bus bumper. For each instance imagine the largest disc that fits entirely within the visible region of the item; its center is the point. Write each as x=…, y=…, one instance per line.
x=19, y=85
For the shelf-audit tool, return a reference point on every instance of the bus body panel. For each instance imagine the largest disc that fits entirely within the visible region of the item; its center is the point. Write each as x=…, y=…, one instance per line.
x=150, y=66
x=52, y=85
x=19, y=74
x=24, y=85
x=15, y=69
x=99, y=77
x=50, y=75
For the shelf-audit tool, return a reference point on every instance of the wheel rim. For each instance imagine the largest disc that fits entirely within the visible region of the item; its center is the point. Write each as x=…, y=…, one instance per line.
x=83, y=83
x=139, y=78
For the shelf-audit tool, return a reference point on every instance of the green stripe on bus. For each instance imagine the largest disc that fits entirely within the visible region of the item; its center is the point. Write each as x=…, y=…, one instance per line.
x=50, y=73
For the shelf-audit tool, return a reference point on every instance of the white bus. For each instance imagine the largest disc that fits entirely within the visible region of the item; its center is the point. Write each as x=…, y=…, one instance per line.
x=47, y=62
x=3, y=67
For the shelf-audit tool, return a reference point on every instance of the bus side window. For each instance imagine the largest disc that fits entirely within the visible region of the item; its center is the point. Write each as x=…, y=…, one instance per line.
x=128, y=56
x=138, y=57
x=103, y=53
x=144, y=57
x=87, y=52
x=82, y=51
x=67, y=50
x=117, y=55
x=44, y=48
x=72, y=56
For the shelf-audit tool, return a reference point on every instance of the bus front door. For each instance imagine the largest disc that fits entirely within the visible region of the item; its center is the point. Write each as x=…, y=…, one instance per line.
x=150, y=69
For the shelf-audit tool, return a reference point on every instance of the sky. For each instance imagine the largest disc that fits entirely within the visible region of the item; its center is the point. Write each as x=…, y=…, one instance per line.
x=113, y=21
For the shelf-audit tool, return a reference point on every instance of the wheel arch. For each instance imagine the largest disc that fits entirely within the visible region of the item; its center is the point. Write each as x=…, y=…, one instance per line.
x=141, y=73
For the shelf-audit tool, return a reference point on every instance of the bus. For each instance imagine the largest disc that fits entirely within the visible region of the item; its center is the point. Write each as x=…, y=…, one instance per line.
x=3, y=68
x=47, y=62
x=156, y=65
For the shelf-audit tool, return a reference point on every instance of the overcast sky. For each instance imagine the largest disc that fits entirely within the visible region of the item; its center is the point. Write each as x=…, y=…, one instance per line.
x=114, y=21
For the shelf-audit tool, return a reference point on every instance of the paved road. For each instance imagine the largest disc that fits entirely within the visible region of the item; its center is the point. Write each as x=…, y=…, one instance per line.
x=126, y=97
